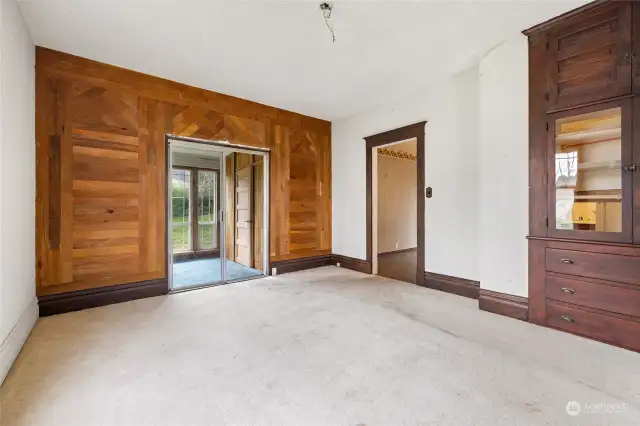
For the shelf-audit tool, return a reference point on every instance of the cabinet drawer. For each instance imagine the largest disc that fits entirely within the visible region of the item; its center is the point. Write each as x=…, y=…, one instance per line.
x=611, y=267
x=599, y=296
x=601, y=327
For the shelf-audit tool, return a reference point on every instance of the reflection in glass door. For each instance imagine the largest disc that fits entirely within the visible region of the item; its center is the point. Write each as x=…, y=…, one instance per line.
x=180, y=217
x=194, y=224
x=590, y=192
x=207, y=188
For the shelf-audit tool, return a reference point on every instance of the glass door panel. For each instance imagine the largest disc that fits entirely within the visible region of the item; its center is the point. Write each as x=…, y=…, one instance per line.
x=207, y=210
x=590, y=194
x=180, y=213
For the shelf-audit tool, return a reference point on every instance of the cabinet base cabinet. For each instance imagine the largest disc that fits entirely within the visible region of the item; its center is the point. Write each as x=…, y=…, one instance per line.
x=594, y=294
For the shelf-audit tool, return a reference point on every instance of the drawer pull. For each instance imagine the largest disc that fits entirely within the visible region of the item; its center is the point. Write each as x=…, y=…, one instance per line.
x=568, y=261
x=566, y=318
x=568, y=290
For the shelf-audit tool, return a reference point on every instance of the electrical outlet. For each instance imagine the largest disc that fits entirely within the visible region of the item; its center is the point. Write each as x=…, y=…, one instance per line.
x=397, y=245
x=338, y=264
x=274, y=271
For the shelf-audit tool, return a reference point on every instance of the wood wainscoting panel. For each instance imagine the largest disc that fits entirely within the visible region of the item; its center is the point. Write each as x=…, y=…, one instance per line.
x=454, y=285
x=101, y=170
x=504, y=304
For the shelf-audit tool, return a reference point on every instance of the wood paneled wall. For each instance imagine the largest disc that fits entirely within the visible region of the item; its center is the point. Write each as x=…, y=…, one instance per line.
x=100, y=152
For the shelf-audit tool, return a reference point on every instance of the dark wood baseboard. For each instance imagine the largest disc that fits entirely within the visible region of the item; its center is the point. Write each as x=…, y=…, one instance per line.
x=194, y=255
x=389, y=253
x=84, y=299
x=504, y=304
x=293, y=265
x=352, y=263
x=454, y=285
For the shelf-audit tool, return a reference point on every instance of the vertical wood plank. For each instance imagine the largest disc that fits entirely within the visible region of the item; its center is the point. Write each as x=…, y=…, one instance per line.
x=64, y=125
x=143, y=183
x=45, y=110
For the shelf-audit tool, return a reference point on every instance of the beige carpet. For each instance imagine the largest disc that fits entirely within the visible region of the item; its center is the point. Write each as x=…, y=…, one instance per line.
x=319, y=347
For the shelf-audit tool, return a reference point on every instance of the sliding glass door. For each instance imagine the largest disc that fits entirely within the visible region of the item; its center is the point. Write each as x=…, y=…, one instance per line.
x=195, y=227
x=208, y=194
x=218, y=218
x=180, y=210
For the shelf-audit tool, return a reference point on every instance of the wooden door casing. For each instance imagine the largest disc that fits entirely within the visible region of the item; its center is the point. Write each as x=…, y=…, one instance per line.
x=589, y=57
x=244, y=214
x=230, y=216
x=258, y=212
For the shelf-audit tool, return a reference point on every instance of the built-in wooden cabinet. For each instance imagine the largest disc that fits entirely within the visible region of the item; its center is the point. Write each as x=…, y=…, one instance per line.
x=590, y=56
x=584, y=243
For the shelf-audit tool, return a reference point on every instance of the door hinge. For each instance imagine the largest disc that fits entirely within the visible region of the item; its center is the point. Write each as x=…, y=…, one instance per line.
x=546, y=45
x=546, y=221
x=546, y=96
x=547, y=126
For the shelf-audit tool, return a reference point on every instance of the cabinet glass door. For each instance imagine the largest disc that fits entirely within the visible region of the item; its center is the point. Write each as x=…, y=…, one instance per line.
x=590, y=192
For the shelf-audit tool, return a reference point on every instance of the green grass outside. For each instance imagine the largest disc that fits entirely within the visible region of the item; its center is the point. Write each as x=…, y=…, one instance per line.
x=180, y=234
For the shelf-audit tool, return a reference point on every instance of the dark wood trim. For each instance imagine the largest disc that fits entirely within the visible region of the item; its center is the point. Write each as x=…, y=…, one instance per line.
x=352, y=263
x=454, y=285
x=537, y=137
x=509, y=305
x=576, y=241
x=293, y=265
x=389, y=253
x=92, y=298
x=397, y=135
x=564, y=18
x=195, y=255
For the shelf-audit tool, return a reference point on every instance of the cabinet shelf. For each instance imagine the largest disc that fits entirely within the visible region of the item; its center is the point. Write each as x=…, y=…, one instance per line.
x=603, y=135
x=599, y=166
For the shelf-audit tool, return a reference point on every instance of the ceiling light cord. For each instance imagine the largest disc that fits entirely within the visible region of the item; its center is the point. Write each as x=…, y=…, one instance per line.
x=326, y=13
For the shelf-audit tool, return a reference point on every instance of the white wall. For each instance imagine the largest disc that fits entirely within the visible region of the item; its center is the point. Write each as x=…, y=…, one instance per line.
x=18, y=305
x=451, y=110
x=397, y=208
x=504, y=162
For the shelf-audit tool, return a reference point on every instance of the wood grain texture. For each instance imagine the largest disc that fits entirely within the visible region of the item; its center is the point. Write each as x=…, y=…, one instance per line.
x=620, y=331
x=584, y=282
x=588, y=56
x=101, y=170
x=597, y=294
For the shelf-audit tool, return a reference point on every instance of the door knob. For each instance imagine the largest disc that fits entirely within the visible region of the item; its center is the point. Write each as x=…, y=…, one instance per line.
x=629, y=168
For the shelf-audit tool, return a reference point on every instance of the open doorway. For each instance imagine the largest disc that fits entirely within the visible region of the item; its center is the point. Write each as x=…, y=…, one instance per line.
x=216, y=214
x=413, y=134
x=395, y=216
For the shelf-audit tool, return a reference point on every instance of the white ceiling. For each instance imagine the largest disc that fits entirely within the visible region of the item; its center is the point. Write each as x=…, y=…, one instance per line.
x=280, y=52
